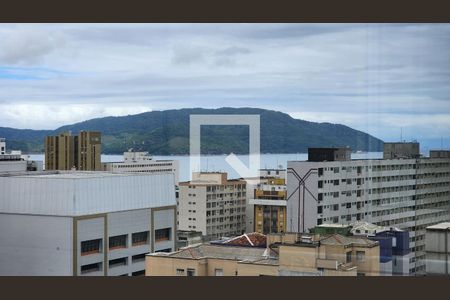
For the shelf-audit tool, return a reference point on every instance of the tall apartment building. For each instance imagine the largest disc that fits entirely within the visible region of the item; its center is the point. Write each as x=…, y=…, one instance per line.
x=2, y=146
x=66, y=151
x=213, y=204
x=266, y=206
x=142, y=162
x=437, y=247
x=66, y=223
x=277, y=255
x=88, y=150
x=408, y=193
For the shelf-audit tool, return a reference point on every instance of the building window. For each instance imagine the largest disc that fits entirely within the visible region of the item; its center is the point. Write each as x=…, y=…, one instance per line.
x=360, y=274
x=162, y=234
x=319, y=209
x=218, y=272
x=190, y=272
x=117, y=242
x=118, y=262
x=138, y=258
x=348, y=257
x=360, y=255
x=167, y=250
x=139, y=238
x=91, y=268
x=180, y=272
x=320, y=184
x=320, y=171
x=91, y=247
x=138, y=273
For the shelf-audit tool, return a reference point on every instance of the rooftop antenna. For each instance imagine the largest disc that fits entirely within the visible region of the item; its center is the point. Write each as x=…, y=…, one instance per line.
x=401, y=134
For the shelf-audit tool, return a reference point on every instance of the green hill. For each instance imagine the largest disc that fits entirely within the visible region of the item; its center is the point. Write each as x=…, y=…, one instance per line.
x=167, y=132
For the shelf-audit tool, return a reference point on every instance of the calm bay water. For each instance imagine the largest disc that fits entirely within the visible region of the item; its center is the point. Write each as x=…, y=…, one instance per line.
x=218, y=163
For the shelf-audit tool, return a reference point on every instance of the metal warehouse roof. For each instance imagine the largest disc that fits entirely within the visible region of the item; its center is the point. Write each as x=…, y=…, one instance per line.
x=76, y=193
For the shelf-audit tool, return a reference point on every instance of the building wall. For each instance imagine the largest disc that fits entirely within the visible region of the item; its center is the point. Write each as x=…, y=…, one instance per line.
x=245, y=269
x=438, y=252
x=161, y=266
x=407, y=193
x=85, y=195
x=215, y=210
x=13, y=166
x=34, y=245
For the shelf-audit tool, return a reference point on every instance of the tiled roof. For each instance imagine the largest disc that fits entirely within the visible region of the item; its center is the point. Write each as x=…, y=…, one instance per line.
x=217, y=251
x=337, y=239
x=253, y=239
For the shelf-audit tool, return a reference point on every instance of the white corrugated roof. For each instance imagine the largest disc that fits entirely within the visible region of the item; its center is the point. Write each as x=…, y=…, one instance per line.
x=83, y=193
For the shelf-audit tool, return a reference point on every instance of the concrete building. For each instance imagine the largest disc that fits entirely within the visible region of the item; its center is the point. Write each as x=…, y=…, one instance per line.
x=68, y=223
x=213, y=204
x=80, y=152
x=278, y=255
x=88, y=150
x=439, y=153
x=188, y=238
x=329, y=154
x=266, y=205
x=10, y=163
x=437, y=247
x=142, y=162
x=408, y=193
x=401, y=150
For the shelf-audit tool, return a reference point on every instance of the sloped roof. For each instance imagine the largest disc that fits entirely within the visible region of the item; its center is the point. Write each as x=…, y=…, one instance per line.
x=337, y=239
x=201, y=251
x=253, y=239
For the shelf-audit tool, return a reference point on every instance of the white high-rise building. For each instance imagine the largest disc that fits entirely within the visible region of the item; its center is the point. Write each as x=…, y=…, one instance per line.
x=70, y=223
x=142, y=162
x=408, y=193
x=2, y=146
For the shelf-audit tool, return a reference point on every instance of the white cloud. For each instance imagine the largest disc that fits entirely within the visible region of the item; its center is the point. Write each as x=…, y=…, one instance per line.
x=375, y=77
x=49, y=116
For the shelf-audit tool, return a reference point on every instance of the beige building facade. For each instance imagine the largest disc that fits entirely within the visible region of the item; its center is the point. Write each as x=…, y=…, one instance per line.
x=285, y=255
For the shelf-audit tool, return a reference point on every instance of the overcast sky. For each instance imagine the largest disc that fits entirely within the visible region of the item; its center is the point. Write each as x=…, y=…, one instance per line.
x=377, y=78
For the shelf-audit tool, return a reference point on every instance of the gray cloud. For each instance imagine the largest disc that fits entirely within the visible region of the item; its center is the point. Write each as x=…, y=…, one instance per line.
x=28, y=46
x=378, y=73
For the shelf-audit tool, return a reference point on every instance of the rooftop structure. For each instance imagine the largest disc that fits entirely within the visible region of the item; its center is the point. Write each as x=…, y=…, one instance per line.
x=401, y=150
x=329, y=154
x=284, y=255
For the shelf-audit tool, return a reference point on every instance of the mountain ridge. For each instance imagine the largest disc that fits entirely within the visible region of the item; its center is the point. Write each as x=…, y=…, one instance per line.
x=166, y=132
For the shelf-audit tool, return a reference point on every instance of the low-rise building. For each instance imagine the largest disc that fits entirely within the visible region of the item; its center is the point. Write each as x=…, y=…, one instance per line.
x=437, y=247
x=287, y=254
x=64, y=223
x=142, y=162
x=394, y=243
x=213, y=204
